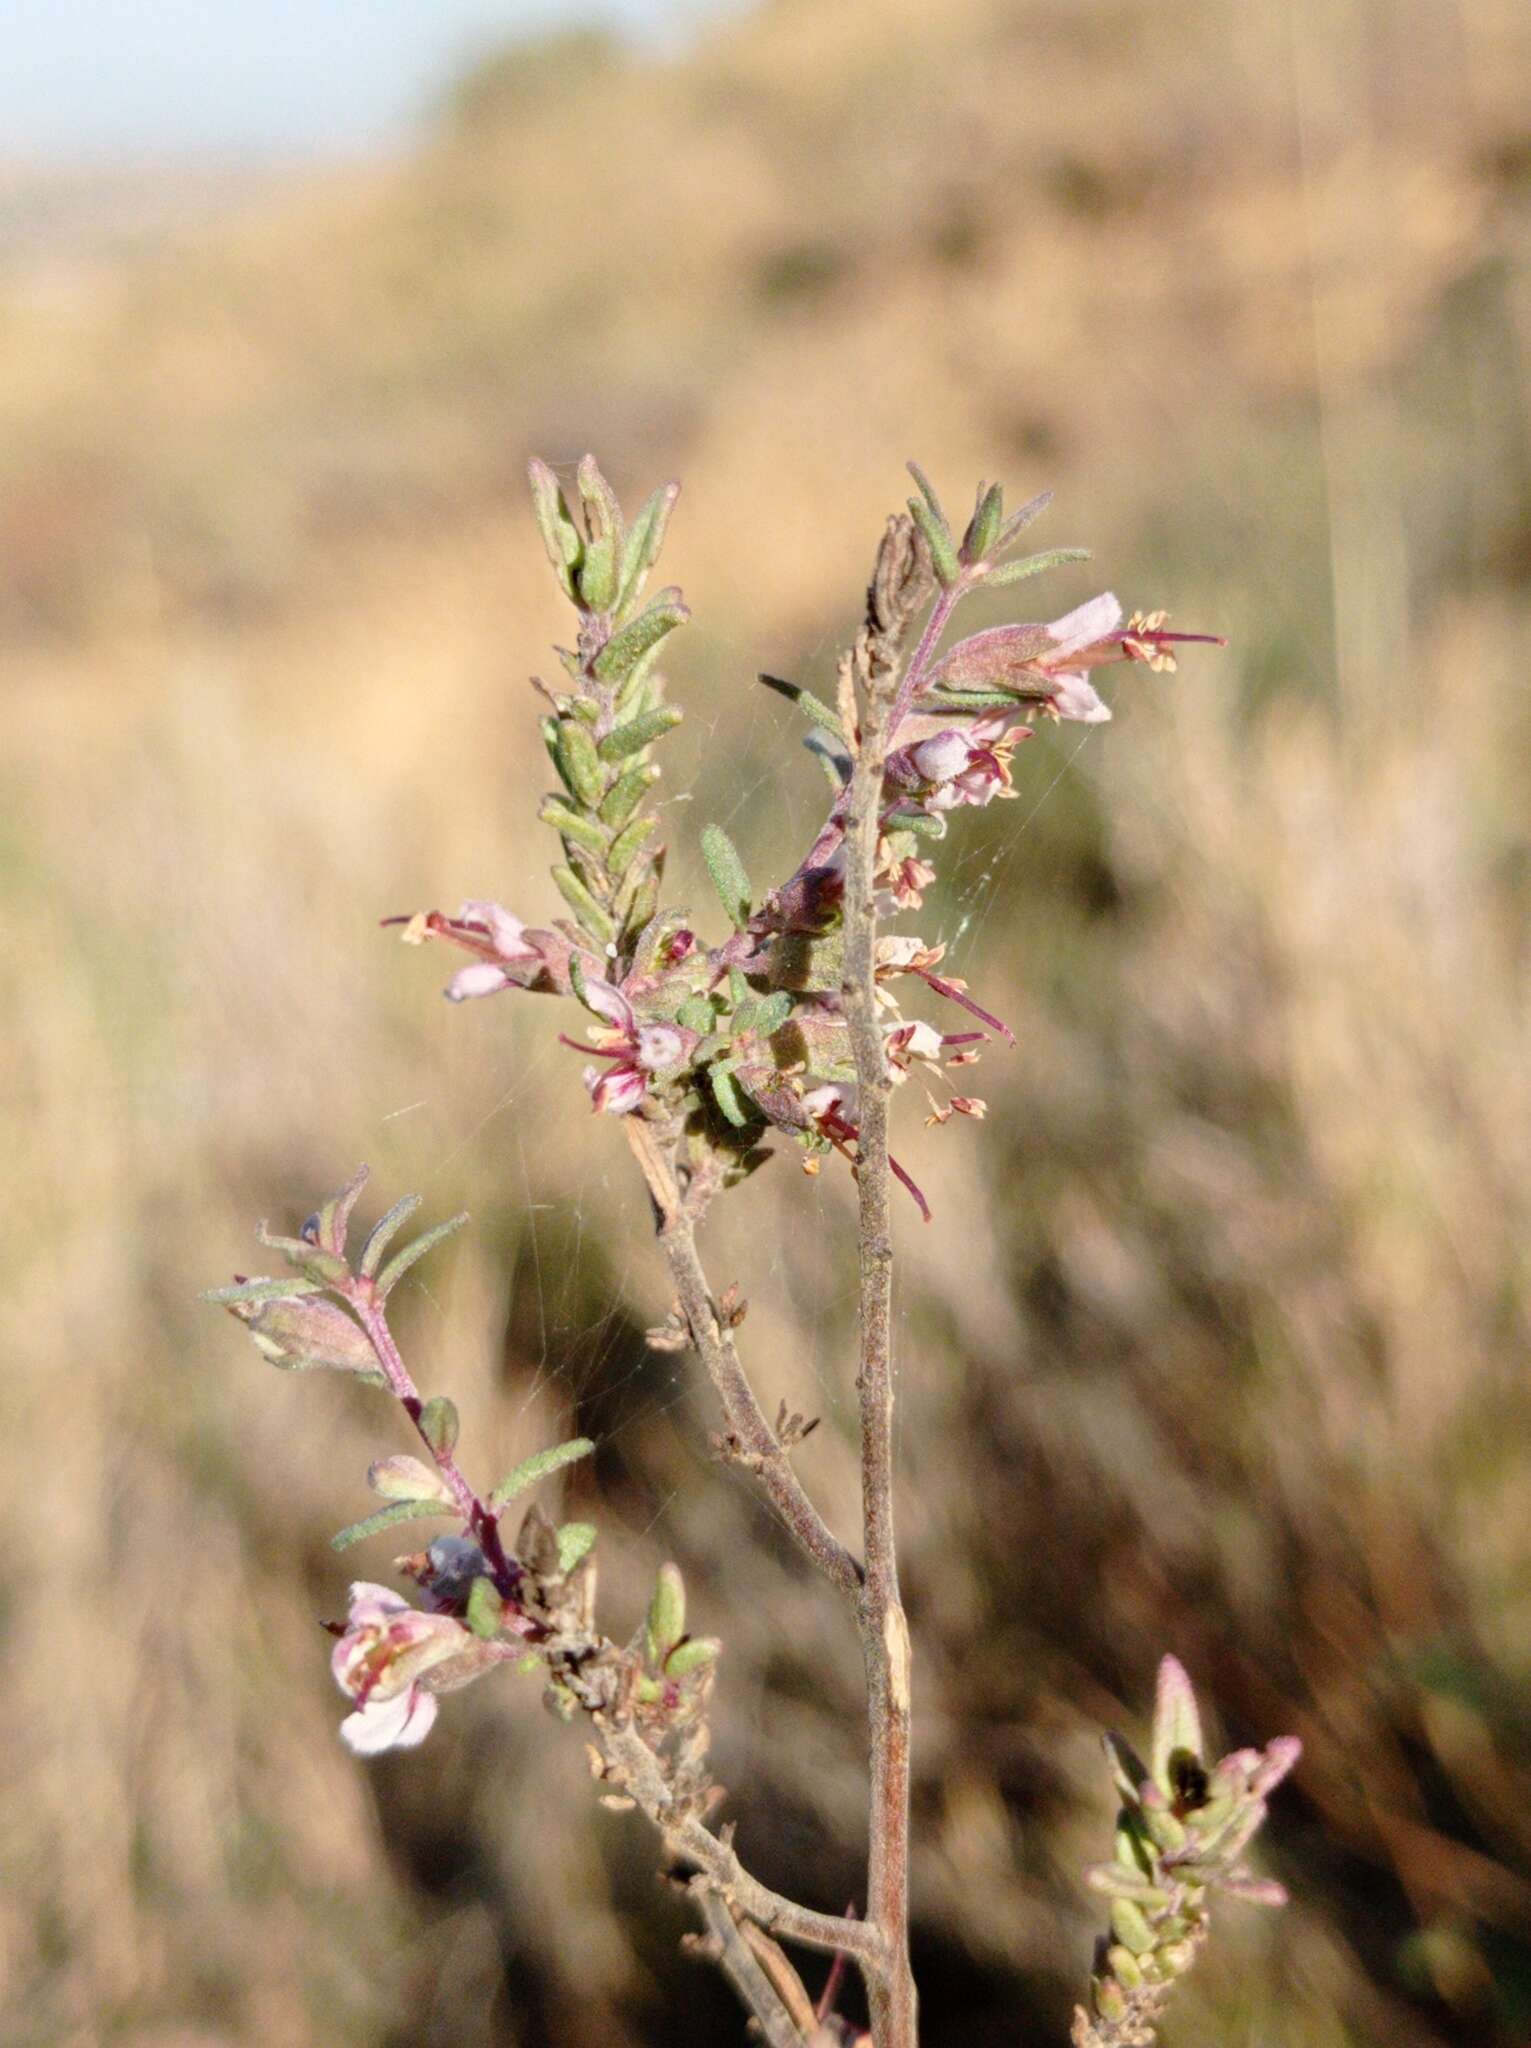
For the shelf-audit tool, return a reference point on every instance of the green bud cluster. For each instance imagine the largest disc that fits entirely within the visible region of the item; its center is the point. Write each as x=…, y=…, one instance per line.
x=1182, y=1828
x=988, y=535
x=599, y=730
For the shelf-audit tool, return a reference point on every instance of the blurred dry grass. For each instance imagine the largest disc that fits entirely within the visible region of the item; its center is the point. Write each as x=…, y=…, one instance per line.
x=1219, y=1340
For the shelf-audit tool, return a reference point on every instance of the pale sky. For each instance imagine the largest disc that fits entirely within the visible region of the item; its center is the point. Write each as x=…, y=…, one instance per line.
x=107, y=77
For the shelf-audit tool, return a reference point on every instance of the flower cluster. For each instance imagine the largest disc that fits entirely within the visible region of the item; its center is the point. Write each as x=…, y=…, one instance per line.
x=1181, y=1835
x=797, y=1021
x=485, y=1599
x=725, y=1043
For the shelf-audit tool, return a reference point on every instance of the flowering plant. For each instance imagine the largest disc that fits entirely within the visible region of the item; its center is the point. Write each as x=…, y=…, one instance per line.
x=793, y=1027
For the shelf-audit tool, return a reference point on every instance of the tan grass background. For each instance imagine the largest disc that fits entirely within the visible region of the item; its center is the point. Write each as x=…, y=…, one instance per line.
x=1219, y=1339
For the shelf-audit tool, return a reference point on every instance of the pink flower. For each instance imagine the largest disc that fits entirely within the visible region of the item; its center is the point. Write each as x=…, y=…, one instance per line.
x=950, y=768
x=942, y=756
x=503, y=944
x=1050, y=664
x=510, y=953
x=383, y=1654
x=907, y=882
x=636, y=1050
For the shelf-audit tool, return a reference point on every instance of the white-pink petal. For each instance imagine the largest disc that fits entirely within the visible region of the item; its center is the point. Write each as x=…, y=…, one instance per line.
x=942, y=756
x=399, y=1723
x=609, y=1002
x=1087, y=623
x=660, y=1045
x=616, y=1091
x=1075, y=696
x=506, y=931
x=483, y=978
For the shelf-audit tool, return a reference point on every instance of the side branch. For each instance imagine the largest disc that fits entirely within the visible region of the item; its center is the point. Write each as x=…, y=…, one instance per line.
x=725, y=1943
x=756, y=1440
x=633, y=1768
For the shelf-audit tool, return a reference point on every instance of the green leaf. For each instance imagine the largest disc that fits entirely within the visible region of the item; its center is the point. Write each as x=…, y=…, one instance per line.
x=694, y=1654
x=1033, y=565
x=327, y=1269
x=596, y=921
x=439, y=1424
x=644, y=542
x=667, y=1615
x=772, y=1014
x=1131, y=1928
x=576, y=1540
x=624, y=650
x=560, y=536
x=984, y=529
x=486, y=1608
x=695, y=1014
x=1018, y=521
x=640, y=732
x=577, y=764
x=641, y=911
x=938, y=539
x=598, y=575
x=382, y=1232
x=628, y=844
x=833, y=759
x=625, y=796
x=603, y=522
x=1118, y=1881
x=401, y=1261
x=603, y=514
x=970, y=700
x=927, y=491
x=537, y=1467
x=923, y=825
x=726, y=1094
x=728, y=875
x=388, y=1518
x=583, y=832
x=402, y=1477
x=259, y=1290
x=1128, y=1770
x=1177, y=1724
x=813, y=708
x=332, y=1222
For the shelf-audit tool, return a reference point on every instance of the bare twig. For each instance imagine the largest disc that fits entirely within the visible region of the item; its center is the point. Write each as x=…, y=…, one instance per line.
x=731, y=1951
x=633, y=1768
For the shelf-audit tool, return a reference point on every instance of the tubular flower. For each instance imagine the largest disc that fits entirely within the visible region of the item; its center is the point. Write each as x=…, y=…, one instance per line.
x=383, y=1661
x=509, y=953
x=637, y=1050
x=953, y=768
x=1050, y=664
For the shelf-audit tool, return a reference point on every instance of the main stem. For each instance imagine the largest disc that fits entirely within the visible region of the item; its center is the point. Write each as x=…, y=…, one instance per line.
x=884, y=1631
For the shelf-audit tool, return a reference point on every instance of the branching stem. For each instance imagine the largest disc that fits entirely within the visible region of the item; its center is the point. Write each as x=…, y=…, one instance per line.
x=481, y=1521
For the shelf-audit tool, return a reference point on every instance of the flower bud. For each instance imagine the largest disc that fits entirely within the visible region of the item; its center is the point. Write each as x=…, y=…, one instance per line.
x=302, y=1332
x=406, y=1478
